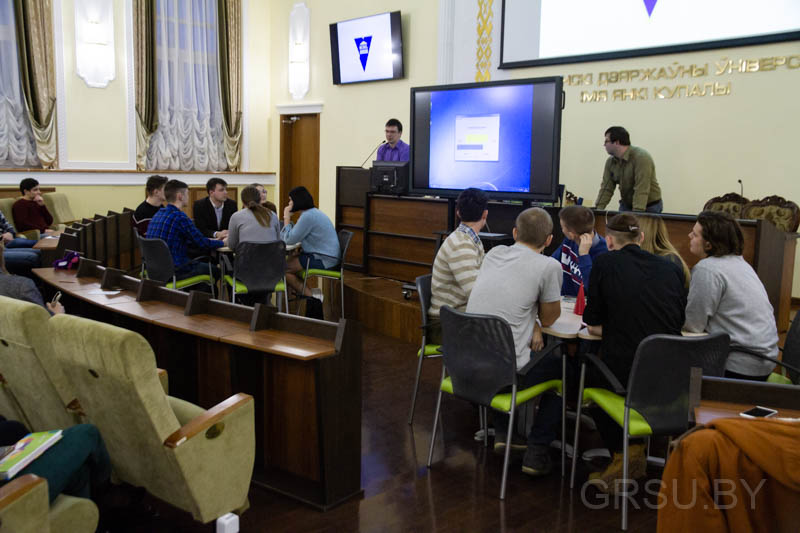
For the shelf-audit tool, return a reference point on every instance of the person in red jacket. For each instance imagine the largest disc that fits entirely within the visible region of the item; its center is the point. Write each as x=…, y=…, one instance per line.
x=29, y=211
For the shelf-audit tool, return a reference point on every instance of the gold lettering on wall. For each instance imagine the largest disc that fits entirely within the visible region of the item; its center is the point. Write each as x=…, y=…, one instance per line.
x=677, y=80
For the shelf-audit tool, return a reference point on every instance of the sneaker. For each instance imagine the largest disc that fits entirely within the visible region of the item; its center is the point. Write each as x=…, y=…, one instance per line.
x=537, y=461
x=479, y=434
x=317, y=293
x=610, y=480
x=517, y=443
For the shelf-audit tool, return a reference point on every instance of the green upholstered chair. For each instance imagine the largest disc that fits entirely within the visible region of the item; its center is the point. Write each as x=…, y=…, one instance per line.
x=784, y=213
x=259, y=268
x=198, y=460
x=157, y=265
x=24, y=508
x=33, y=380
x=480, y=366
x=426, y=350
x=58, y=205
x=656, y=401
x=336, y=274
x=731, y=203
x=6, y=206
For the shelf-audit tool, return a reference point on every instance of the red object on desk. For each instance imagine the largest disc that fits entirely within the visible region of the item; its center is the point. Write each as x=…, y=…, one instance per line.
x=580, y=302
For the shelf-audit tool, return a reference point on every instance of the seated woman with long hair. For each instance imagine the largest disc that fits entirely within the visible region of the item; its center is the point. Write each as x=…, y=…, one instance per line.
x=656, y=241
x=725, y=295
x=316, y=235
x=253, y=223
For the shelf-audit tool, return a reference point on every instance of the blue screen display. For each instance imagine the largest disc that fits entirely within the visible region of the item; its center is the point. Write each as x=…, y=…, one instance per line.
x=481, y=137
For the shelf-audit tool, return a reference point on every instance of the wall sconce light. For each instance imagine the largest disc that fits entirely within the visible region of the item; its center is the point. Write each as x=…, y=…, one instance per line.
x=299, y=50
x=94, y=42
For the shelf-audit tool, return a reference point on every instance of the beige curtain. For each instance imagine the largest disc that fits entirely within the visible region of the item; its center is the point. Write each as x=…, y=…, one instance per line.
x=34, y=28
x=144, y=63
x=230, y=78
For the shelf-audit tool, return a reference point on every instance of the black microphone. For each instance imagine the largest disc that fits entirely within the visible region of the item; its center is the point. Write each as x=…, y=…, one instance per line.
x=372, y=152
x=741, y=188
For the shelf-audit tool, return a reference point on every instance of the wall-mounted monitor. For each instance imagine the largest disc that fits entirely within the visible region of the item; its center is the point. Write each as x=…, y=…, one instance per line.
x=367, y=48
x=503, y=137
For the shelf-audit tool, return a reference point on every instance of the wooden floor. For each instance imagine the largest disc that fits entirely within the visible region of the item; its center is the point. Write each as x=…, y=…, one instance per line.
x=401, y=494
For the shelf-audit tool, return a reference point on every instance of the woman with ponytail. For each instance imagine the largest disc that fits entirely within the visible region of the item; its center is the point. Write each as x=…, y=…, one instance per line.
x=254, y=223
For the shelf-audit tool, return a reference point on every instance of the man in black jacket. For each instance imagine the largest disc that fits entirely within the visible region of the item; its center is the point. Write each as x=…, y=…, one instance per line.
x=212, y=214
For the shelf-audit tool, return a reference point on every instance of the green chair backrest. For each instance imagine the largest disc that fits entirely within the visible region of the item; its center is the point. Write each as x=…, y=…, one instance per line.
x=34, y=377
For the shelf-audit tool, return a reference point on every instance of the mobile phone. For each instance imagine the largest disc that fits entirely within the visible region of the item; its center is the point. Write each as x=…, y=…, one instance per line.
x=758, y=412
x=56, y=298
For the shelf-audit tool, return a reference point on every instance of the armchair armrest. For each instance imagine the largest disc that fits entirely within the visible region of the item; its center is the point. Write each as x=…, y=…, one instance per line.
x=32, y=234
x=19, y=487
x=612, y=379
x=538, y=356
x=205, y=421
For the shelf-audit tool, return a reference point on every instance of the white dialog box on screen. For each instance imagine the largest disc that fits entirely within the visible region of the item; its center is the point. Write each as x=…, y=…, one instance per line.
x=477, y=137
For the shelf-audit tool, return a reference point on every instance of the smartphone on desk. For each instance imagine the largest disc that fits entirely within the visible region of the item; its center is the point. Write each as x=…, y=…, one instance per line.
x=758, y=412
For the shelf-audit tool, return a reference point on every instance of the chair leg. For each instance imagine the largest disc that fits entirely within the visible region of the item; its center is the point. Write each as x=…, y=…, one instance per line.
x=563, y=413
x=416, y=383
x=341, y=291
x=484, y=425
x=625, y=471
x=435, y=421
x=577, y=428
x=508, y=441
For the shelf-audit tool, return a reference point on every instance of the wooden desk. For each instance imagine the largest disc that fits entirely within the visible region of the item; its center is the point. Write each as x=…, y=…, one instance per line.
x=305, y=377
x=48, y=242
x=710, y=410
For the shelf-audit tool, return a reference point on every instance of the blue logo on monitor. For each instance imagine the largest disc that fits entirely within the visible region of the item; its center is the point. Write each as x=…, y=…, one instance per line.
x=362, y=43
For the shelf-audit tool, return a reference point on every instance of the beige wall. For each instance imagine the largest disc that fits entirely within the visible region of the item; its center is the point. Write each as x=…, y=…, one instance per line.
x=352, y=119
x=257, y=43
x=96, y=119
x=701, y=145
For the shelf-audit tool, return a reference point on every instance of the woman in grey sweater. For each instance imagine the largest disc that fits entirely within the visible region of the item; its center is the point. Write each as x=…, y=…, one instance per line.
x=725, y=295
x=254, y=223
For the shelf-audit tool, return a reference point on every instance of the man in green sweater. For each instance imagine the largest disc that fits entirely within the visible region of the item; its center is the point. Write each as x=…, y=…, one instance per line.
x=633, y=170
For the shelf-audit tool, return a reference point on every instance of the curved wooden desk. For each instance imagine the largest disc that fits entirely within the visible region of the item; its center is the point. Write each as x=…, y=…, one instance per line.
x=305, y=375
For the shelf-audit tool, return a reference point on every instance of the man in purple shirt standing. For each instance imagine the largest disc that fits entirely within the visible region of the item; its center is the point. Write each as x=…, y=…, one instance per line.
x=393, y=149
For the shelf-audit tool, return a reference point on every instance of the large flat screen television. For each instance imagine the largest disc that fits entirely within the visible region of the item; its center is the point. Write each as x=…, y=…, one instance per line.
x=503, y=137
x=367, y=48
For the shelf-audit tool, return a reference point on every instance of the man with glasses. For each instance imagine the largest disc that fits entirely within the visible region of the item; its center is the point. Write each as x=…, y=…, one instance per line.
x=633, y=170
x=393, y=149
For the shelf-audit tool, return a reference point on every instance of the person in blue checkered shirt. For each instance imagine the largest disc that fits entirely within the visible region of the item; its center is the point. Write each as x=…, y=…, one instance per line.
x=174, y=227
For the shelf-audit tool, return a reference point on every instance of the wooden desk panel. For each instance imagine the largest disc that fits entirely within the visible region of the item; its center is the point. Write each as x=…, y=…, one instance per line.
x=282, y=343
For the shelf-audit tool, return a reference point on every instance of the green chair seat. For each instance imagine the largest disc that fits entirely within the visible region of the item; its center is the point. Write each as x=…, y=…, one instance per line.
x=502, y=402
x=241, y=288
x=431, y=349
x=614, y=405
x=194, y=280
x=320, y=272
x=779, y=379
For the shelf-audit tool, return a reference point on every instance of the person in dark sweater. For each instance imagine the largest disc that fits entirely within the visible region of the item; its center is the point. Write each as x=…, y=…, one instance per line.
x=154, y=190
x=29, y=211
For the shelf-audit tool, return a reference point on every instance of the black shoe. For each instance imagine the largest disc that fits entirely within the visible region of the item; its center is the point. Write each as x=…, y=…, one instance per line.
x=314, y=309
x=537, y=461
x=517, y=443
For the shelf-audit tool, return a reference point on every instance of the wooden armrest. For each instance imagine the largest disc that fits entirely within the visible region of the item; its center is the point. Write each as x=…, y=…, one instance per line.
x=200, y=424
x=17, y=488
x=161, y=372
